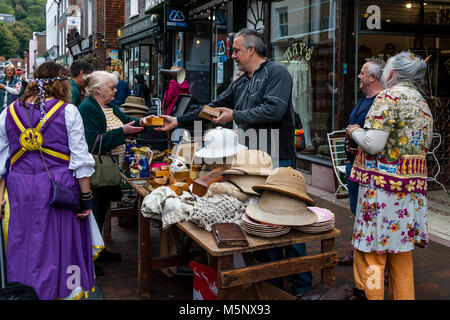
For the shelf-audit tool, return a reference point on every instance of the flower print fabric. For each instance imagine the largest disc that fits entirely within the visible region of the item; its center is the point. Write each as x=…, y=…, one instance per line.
x=389, y=221
x=391, y=213
x=401, y=166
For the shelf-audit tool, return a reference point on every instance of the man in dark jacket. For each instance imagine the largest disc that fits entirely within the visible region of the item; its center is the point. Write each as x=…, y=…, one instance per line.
x=260, y=99
x=79, y=70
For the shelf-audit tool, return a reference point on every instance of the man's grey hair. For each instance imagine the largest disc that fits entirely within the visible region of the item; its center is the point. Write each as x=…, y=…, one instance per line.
x=375, y=67
x=406, y=68
x=252, y=38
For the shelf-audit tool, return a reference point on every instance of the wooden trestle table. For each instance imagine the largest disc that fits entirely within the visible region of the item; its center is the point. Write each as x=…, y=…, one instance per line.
x=231, y=279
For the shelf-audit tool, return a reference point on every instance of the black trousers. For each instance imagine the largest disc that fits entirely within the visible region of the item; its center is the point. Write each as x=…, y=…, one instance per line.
x=102, y=200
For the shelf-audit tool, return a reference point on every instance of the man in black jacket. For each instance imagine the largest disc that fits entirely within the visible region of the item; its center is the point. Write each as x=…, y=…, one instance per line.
x=260, y=99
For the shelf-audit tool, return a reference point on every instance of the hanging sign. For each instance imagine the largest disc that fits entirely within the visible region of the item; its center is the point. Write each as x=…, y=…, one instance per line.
x=176, y=18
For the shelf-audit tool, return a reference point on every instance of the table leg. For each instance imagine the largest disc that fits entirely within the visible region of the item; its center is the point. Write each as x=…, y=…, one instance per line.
x=328, y=275
x=224, y=262
x=144, y=255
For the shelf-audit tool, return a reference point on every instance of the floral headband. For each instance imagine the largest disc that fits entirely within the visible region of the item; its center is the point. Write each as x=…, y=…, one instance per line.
x=41, y=94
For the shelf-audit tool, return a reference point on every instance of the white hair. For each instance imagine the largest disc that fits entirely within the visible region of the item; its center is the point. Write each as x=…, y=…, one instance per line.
x=375, y=67
x=98, y=79
x=406, y=68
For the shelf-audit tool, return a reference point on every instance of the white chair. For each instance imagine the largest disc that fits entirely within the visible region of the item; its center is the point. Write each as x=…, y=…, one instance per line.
x=431, y=152
x=336, y=142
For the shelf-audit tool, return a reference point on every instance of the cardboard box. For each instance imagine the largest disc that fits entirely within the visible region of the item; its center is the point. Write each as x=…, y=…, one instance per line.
x=209, y=113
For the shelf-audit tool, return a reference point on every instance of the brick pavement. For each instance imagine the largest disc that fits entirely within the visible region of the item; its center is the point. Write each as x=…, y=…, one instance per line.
x=431, y=265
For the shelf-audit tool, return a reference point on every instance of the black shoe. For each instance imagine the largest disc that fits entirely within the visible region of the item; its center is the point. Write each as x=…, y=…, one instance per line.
x=98, y=270
x=106, y=255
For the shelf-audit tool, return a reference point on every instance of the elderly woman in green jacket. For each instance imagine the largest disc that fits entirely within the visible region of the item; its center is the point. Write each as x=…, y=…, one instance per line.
x=101, y=116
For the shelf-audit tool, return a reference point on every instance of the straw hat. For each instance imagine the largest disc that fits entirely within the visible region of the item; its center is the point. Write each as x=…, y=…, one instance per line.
x=287, y=181
x=135, y=102
x=220, y=143
x=245, y=183
x=281, y=209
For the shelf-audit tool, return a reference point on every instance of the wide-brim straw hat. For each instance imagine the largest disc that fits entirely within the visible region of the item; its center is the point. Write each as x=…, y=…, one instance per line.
x=281, y=209
x=135, y=102
x=220, y=143
x=246, y=182
x=251, y=162
x=288, y=181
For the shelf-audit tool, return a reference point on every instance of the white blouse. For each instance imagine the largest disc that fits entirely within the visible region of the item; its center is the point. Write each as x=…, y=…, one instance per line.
x=81, y=161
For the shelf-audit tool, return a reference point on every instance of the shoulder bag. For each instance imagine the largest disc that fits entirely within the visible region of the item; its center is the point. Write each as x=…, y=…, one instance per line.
x=60, y=196
x=107, y=173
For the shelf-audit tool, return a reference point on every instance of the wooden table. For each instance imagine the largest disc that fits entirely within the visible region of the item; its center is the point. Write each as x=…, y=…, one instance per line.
x=230, y=278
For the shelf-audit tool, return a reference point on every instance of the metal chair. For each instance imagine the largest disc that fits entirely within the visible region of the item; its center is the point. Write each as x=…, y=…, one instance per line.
x=431, y=152
x=336, y=142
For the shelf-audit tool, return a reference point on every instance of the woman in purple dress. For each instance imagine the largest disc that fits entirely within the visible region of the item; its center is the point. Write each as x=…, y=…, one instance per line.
x=42, y=136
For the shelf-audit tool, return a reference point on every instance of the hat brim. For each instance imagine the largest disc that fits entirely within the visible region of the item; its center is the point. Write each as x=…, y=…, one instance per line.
x=135, y=106
x=304, y=218
x=245, y=183
x=293, y=192
x=249, y=171
x=219, y=153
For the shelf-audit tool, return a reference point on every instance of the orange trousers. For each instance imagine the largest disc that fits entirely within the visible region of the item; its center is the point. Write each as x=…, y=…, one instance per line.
x=368, y=270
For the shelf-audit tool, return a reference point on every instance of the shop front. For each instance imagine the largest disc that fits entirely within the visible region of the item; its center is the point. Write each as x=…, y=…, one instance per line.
x=423, y=27
x=139, y=42
x=324, y=45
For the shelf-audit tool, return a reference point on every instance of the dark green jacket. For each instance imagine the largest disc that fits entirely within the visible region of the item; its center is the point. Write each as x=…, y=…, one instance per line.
x=76, y=93
x=94, y=121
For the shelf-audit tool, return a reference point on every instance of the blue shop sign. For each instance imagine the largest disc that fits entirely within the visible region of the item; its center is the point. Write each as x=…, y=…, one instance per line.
x=176, y=18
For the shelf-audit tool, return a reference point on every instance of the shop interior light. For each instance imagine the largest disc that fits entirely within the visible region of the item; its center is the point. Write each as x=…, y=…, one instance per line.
x=409, y=5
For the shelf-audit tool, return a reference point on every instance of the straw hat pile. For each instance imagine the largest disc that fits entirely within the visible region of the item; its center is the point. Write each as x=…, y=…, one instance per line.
x=283, y=200
x=135, y=107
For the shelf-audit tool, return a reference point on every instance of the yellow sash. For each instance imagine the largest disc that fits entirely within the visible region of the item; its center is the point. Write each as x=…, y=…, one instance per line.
x=35, y=134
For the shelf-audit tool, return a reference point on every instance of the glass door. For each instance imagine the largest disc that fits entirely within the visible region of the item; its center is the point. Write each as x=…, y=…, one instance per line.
x=219, y=74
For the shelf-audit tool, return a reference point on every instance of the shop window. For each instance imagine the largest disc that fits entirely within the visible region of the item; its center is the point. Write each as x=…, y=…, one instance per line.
x=283, y=21
x=198, y=57
x=303, y=40
x=134, y=8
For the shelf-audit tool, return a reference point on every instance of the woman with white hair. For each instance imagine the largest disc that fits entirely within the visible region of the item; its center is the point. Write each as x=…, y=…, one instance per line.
x=391, y=170
x=101, y=116
x=10, y=87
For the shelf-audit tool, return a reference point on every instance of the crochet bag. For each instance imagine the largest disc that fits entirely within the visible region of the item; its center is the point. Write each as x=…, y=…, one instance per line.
x=107, y=173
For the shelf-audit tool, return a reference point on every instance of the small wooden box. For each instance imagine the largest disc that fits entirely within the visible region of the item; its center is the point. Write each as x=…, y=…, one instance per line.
x=162, y=174
x=156, y=122
x=181, y=174
x=201, y=185
x=179, y=187
x=209, y=113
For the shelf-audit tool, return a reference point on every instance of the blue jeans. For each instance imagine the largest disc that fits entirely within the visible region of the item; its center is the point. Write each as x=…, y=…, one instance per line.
x=301, y=282
x=352, y=188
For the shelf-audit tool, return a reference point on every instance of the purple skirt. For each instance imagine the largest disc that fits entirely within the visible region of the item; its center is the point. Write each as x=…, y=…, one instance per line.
x=47, y=248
